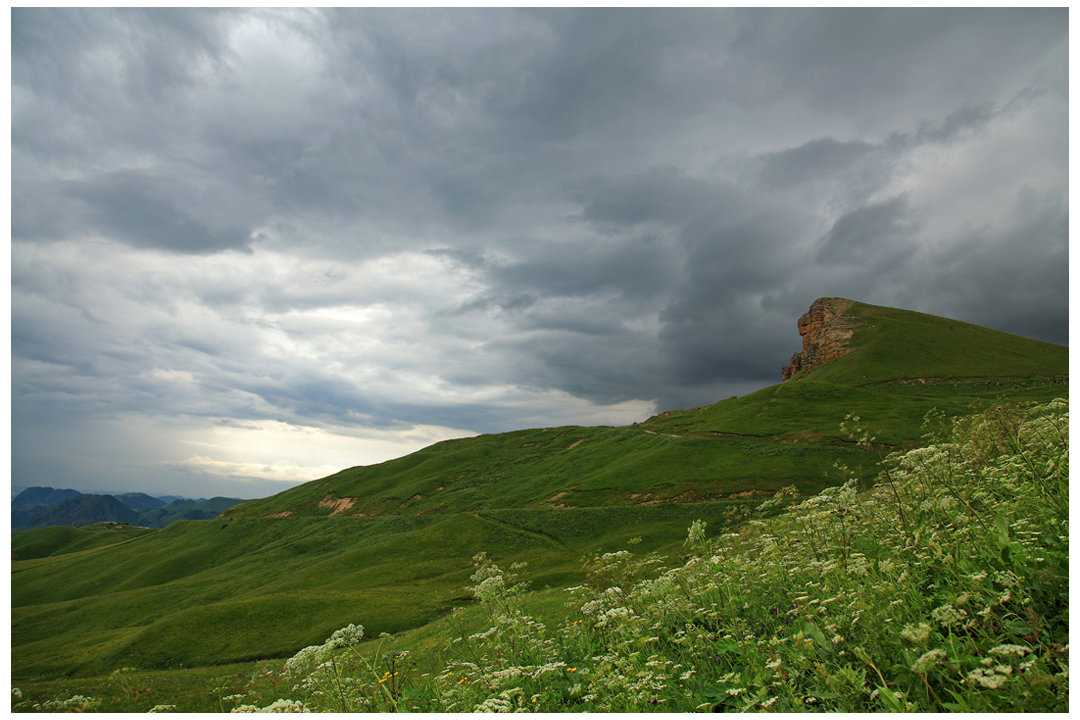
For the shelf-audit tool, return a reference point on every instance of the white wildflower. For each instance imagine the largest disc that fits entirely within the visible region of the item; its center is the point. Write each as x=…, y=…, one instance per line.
x=986, y=678
x=947, y=615
x=1007, y=578
x=696, y=534
x=1007, y=649
x=927, y=660
x=346, y=636
x=916, y=634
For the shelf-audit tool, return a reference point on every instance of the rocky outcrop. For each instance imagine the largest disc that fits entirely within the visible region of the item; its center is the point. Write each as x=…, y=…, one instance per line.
x=826, y=331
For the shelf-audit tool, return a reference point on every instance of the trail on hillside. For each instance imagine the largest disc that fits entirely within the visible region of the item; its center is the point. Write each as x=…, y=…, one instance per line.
x=540, y=534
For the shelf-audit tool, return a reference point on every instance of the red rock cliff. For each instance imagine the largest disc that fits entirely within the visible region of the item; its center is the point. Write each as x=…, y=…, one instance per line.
x=826, y=332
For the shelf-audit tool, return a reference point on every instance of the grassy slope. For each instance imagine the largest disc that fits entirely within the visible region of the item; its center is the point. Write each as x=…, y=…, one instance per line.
x=62, y=540
x=903, y=364
x=573, y=466
x=258, y=587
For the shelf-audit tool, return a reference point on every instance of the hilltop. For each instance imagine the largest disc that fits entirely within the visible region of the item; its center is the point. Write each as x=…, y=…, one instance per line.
x=891, y=366
x=389, y=545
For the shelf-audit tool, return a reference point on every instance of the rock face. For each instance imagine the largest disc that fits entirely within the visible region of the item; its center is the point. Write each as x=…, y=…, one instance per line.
x=826, y=331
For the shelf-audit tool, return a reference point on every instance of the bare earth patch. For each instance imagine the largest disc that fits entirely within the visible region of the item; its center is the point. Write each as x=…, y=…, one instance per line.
x=748, y=493
x=339, y=504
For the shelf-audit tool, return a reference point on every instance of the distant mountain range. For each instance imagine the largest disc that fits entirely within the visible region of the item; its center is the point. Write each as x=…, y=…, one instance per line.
x=40, y=507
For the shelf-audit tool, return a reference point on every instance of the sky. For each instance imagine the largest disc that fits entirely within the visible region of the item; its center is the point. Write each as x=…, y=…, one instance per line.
x=250, y=248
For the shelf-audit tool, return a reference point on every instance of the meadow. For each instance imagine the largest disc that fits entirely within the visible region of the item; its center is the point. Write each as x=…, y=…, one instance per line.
x=762, y=553
x=942, y=587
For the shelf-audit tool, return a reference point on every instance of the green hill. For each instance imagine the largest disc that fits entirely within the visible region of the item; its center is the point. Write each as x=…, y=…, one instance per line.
x=33, y=499
x=76, y=509
x=33, y=496
x=185, y=509
x=82, y=510
x=901, y=365
x=389, y=545
x=140, y=502
x=62, y=539
x=892, y=346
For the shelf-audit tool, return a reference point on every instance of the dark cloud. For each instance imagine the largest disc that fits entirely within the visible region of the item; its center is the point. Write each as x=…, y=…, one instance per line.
x=364, y=221
x=635, y=267
x=870, y=236
x=823, y=157
x=127, y=206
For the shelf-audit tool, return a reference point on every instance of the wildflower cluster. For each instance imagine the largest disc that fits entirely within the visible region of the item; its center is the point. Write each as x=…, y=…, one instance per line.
x=943, y=588
x=73, y=704
x=336, y=676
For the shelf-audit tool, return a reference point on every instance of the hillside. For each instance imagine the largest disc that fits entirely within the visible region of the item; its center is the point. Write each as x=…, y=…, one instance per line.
x=389, y=545
x=186, y=509
x=140, y=502
x=42, y=496
x=33, y=499
x=82, y=510
x=61, y=539
x=887, y=345
x=899, y=365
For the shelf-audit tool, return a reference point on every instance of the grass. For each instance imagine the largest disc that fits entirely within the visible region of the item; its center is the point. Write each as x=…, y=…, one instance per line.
x=61, y=540
x=231, y=579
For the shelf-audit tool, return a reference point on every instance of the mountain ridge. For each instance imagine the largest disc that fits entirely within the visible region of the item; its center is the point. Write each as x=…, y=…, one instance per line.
x=76, y=509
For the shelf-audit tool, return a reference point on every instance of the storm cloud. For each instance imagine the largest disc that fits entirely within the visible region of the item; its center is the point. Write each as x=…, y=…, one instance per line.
x=250, y=247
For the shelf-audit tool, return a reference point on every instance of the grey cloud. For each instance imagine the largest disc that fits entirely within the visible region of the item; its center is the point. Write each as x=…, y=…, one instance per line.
x=618, y=204
x=635, y=267
x=998, y=275
x=661, y=195
x=595, y=366
x=964, y=119
x=820, y=158
x=869, y=236
x=128, y=206
x=503, y=302
x=875, y=62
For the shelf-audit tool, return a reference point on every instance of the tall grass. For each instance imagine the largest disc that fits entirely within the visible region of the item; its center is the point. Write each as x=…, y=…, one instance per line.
x=940, y=584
